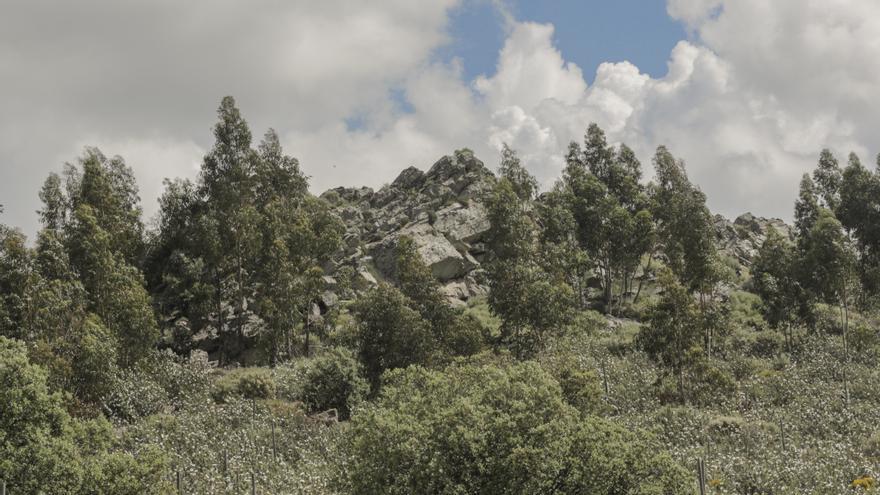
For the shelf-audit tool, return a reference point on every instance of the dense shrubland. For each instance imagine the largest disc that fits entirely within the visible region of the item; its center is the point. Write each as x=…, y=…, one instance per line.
x=616, y=346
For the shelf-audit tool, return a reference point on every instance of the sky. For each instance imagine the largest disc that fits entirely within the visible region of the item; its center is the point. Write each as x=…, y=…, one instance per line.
x=747, y=92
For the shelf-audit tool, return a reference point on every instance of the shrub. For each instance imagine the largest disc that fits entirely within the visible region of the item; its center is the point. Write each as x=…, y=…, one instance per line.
x=581, y=389
x=767, y=343
x=256, y=384
x=871, y=446
x=44, y=450
x=249, y=383
x=495, y=429
x=334, y=381
x=465, y=335
x=390, y=334
x=159, y=382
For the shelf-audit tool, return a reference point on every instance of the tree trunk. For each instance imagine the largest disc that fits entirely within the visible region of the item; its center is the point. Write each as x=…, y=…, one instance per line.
x=608, y=288
x=306, y=328
x=239, y=309
x=223, y=347
x=681, y=386
x=644, y=274
x=845, y=346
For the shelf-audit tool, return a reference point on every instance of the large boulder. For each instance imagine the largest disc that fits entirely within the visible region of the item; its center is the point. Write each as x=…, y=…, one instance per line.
x=466, y=224
x=410, y=178
x=743, y=238
x=445, y=261
x=441, y=210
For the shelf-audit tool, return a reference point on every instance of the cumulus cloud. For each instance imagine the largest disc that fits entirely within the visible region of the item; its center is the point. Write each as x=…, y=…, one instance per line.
x=748, y=102
x=144, y=78
x=357, y=94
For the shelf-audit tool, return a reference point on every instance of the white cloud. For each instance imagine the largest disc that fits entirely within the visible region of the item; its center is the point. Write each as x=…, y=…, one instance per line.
x=153, y=72
x=531, y=70
x=748, y=101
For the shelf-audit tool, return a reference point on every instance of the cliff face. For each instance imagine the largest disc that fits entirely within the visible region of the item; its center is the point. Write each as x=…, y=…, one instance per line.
x=441, y=210
x=742, y=238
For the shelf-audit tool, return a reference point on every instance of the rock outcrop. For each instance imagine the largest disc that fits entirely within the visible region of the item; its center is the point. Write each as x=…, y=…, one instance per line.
x=742, y=238
x=441, y=210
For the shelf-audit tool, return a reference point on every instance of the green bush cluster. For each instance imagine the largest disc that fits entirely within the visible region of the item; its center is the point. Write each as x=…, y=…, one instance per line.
x=248, y=383
x=479, y=428
x=332, y=380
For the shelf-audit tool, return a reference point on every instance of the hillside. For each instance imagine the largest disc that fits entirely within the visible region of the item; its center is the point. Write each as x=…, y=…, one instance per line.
x=455, y=331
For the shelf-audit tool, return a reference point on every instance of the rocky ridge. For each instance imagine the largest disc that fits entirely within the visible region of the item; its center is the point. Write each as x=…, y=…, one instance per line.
x=742, y=238
x=441, y=210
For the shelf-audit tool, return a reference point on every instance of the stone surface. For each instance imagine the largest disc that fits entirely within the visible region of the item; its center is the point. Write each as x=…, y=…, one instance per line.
x=742, y=238
x=441, y=210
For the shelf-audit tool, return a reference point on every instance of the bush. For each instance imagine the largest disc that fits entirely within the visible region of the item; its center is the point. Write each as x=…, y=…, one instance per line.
x=767, y=343
x=495, y=429
x=580, y=384
x=333, y=381
x=248, y=383
x=581, y=389
x=44, y=450
x=161, y=382
x=465, y=335
x=390, y=334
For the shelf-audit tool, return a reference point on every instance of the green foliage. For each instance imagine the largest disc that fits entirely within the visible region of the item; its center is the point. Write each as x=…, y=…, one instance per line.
x=390, y=334
x=684, y=228
x=524, y=184
x=830, y=258
x=608, y=210
x=247, y=383
x=200, y=440
x=531, y=302
x=464, y=335
x=581, y=388
x=160, y=383
x=334, y=380
x=511, y=426
x=15, y=283
x=828, y=179
x=775, y=389
x=806, y=208
x=43, y=450
x=775, y=279
x=413, y=324
x=478, y=307
x=672, y=337
x=246, y=240
x=116, y=292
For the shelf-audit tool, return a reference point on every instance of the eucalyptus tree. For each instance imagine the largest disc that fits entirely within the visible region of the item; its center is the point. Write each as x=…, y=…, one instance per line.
x=828, y=179
x=531, y=301
x=859, y=212
x=775, y=278
x=831, y=260
x=610, y=209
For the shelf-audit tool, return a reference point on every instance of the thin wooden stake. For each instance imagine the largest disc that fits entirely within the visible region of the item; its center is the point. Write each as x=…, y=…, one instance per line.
x=2, y=488
x=701, y=474
x=178, y=481
x=274, y=446
x=253, y=484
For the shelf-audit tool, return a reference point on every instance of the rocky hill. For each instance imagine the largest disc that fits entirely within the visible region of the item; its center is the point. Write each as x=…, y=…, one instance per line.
x=742, y=238
x=441, y=210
